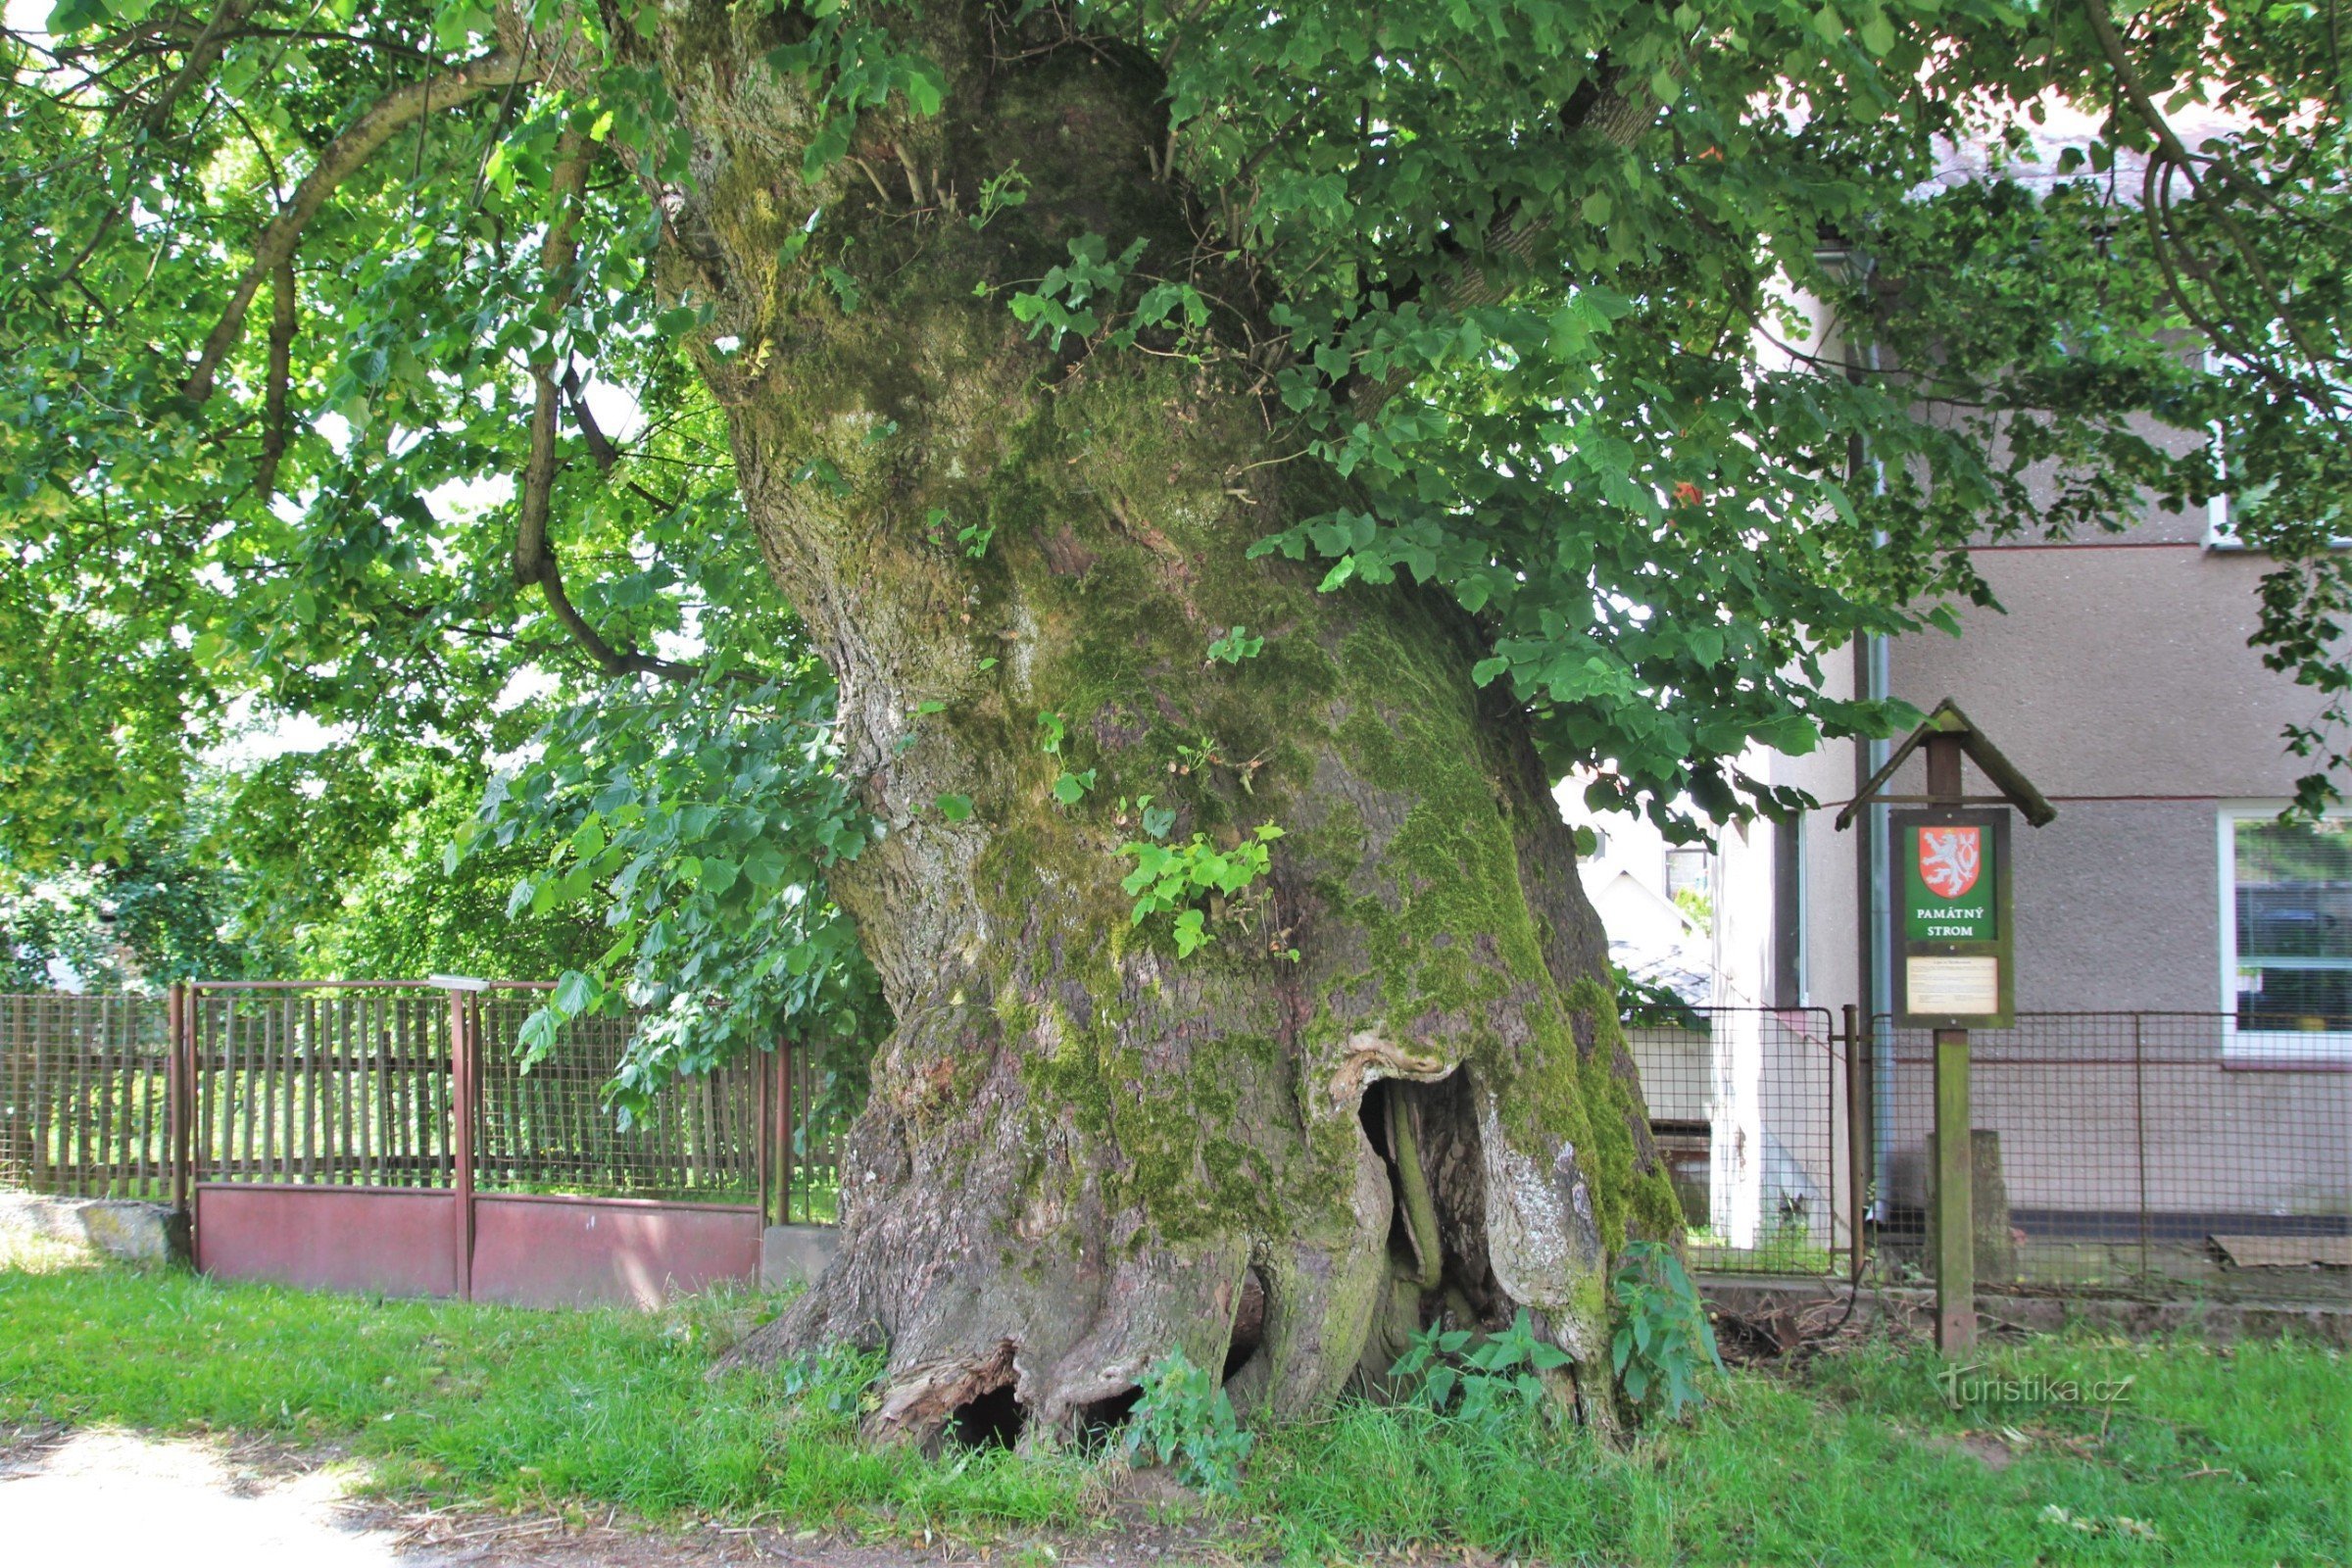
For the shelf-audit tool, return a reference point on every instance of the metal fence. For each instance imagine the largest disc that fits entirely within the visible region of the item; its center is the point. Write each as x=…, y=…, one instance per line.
x=1746, y=1105
x=83, y=1099
x=543, y=1128
x=805, y=1175
x=353, y=1083
x=2127, y=1151
x=336, y=1084
x=2113, y=1151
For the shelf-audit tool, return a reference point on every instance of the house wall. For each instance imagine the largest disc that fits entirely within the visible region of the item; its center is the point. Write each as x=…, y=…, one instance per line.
x=2117, y=676
x=2115, y=671
x=1640, y=917
x=2120, y=682
x=2090, y=1119
x=1832, y=890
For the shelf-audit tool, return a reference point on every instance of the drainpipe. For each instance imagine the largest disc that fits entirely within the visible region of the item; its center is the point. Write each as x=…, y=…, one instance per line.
x=1876, y=835
x=1873, y=890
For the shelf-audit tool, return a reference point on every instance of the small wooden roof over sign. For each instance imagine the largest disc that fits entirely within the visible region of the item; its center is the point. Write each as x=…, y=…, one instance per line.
x=2016, y=788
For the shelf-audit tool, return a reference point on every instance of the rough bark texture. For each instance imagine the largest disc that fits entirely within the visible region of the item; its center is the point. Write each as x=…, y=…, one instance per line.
x=1082, y=1152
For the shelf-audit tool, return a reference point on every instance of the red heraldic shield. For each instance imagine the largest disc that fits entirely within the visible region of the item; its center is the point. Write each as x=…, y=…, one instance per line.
x=1948, y=858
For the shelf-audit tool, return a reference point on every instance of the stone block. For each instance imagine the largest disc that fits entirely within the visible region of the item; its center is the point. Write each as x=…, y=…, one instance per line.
x=125, y=1229
x=796, y=1254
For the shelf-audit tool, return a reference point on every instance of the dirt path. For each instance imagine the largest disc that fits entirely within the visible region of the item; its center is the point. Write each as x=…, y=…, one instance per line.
x=111, y=1498
x=118, y=1499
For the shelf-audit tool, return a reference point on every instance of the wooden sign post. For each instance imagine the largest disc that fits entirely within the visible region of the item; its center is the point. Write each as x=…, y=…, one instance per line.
x=1952, y=933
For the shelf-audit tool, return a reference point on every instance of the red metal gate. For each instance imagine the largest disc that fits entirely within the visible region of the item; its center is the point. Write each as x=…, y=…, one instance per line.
x=385, y=1136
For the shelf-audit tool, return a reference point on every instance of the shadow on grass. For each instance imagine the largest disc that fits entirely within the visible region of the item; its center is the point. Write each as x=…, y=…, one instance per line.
x=2210, y=1455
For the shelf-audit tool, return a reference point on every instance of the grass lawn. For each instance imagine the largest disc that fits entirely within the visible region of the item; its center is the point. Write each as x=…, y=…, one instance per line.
x=2238, y=1455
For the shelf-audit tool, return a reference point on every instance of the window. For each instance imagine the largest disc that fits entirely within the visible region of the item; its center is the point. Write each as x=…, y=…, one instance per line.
x=2286, y=934
x=2221, y=512
x=1788, y=980
x=1686, y=871
x=2221, y=522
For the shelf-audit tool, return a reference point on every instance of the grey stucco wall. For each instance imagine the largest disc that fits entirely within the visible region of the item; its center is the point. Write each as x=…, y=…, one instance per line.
x=2118, y=680
x=2119, y=907
x=2116, y=669
x=2186, y=524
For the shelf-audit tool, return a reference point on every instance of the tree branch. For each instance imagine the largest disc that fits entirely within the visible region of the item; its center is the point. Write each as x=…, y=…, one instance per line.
x=1617, y=115
x=275, y=425
x=202, y=52
x=601, y=450
x=534, y=553
x=2171, y=149
x=382, y=46
x=609, y=658
x=343, y=158
x=278, y=183
x=557, y=253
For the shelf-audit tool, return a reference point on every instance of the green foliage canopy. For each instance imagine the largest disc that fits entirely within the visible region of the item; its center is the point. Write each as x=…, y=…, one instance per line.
x=334, y=377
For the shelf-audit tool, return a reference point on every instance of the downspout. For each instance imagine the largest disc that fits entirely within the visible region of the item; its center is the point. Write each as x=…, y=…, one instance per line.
x=1873, y=679
x=1877, y=830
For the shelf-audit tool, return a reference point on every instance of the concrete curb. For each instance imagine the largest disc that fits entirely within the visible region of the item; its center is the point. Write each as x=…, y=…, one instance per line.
x=1904, y=1307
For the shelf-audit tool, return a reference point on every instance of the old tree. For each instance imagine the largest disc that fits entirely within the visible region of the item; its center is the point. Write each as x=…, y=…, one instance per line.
x=1062, y=547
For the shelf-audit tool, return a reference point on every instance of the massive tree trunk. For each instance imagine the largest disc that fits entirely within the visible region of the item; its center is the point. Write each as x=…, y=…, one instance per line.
x=1392, y=1086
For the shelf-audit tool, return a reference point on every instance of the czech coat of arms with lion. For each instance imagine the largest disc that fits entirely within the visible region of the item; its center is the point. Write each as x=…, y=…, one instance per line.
x=1948, y=858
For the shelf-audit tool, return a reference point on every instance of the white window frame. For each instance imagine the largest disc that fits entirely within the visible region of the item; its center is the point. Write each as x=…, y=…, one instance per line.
x=2249, y=1046
x=2220, y=533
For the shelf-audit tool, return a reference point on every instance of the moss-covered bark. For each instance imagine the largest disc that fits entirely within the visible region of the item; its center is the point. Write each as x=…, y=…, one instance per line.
x=1083, y=1151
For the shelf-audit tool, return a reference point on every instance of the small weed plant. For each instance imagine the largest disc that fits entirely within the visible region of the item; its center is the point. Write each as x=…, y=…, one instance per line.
x=836, y=1380
x=1184, y=1419
x=1664, y=1343
x=1169, y=878
x=1006, y=188
x=1236, y=646
x=1496, y=1386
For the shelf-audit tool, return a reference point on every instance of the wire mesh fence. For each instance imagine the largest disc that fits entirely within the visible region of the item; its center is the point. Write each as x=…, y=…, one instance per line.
x=2145, y=1152
x=355, y=1084
x=83, y=1095
x=335, y=1084
x=543, y=1126
x=1746, y=1105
